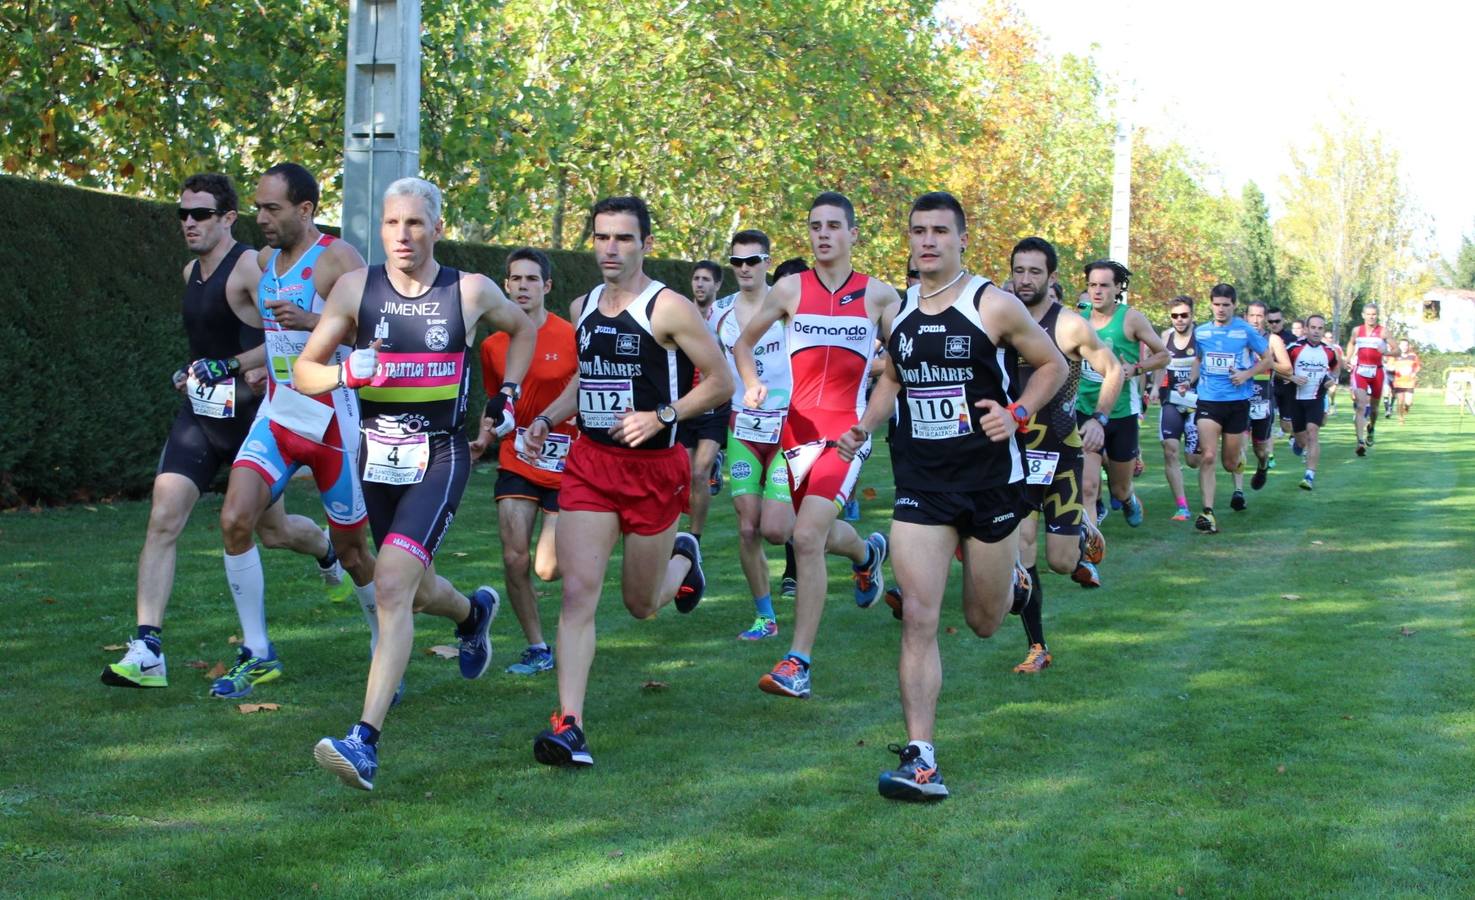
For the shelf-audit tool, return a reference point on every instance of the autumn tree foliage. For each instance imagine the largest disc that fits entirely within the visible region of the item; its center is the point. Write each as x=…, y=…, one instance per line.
x=724, y=115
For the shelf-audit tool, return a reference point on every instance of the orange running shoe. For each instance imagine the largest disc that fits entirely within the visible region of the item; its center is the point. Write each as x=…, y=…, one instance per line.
x=1093, y=543
x=1038, y=660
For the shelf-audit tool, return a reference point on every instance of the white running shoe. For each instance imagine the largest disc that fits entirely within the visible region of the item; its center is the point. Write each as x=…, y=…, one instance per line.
x=140, y=667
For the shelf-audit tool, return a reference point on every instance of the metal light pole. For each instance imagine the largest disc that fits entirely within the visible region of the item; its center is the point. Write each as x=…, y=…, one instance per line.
x=381, y=139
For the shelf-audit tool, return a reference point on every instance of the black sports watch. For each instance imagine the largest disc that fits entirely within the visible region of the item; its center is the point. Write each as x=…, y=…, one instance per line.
x=233, y=365
x=1101, y=418
x=666, y=414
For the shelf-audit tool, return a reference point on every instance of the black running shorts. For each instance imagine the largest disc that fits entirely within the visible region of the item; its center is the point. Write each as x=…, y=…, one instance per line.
x=988, y=515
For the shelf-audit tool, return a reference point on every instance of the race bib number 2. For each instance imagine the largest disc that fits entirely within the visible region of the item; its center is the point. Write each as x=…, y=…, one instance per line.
x=601, y=401
x=554, y=454
x=212, y=401
x=760, y=426
x=395, y=459
x=939, y=413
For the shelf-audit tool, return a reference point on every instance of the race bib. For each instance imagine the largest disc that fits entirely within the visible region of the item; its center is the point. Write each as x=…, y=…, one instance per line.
x=395, y=459
x=1089, y=373
x=1185, y=401
x=1366, y=371
x=216, y=401
x=1259, y=409
x=760, y=426
x=554, y=454
x=939, y=413
x=1039, y=466
x=293, y=411
x=802, y=458
x=602, y=400
x=1219, y=363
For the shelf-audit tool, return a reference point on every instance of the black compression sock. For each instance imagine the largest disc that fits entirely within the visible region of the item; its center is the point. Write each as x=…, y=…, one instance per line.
x=789, y=559
x=1034, y=629
x=370, y=734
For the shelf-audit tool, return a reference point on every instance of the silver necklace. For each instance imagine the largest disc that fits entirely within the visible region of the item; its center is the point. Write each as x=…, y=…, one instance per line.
x=956, y=279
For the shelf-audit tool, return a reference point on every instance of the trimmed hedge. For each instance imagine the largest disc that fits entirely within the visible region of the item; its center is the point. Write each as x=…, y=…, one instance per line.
x=90, y=332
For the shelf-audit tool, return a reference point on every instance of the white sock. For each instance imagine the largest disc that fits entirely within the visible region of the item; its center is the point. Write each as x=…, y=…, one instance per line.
x=365, y=593
x=929, y=755
x=248, y=588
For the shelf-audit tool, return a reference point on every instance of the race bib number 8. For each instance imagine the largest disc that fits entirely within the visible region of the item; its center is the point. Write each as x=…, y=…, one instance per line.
x=1219, y=363
x=602, y=400
x=395, y=459
x=1039, y=466
x=939, y=413
x=213, y=401
x=759, y=426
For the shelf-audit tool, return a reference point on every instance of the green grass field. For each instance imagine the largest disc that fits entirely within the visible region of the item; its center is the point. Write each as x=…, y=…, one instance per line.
x=1199, y=734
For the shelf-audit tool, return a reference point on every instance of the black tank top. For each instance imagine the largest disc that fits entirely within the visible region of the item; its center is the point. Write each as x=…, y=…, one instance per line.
x=213, y=329
x=947, y=363
x=621, y=366
x=1053, y=427
x=424, y=374
x=1180, y=362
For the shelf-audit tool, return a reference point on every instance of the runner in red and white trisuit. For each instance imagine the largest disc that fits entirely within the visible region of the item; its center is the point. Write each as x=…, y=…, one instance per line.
x=1365, y=355
x=830, y=314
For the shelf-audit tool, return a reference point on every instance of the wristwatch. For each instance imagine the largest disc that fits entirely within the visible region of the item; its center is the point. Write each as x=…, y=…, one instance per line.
x=512, y=389
x=666, y=414
x=1020, y=414
x=1101, y=418
x=233, y=365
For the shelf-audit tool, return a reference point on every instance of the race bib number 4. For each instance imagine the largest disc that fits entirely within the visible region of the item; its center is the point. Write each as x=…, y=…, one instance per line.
x=212, y=401
x=1039, y=466
x=759, y=426
x=554, y=454
x=395, y=459
x=1219, y=363
x=601, y=401
x=939, y=413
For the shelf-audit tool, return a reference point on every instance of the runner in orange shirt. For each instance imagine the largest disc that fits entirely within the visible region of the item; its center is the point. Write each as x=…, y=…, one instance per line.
x=524, y=487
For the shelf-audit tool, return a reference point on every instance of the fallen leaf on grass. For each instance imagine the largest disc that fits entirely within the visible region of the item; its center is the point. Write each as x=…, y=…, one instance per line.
x=197, y=664
x=860, y=743
x=459, y=555
x=90, y=508
x=1348, y=718
x=869, y=493
x=233, y=639
x=216, y=671
x=114, y=647
x=443, y=651
x=1180, y=892
x=1318, y=543
x=1280, y=769
x=1290, y=596
x=654, y=686
x=615, y=854
x=1407, y=632
x=951, y=630
x=248, y=708
x=51, y=600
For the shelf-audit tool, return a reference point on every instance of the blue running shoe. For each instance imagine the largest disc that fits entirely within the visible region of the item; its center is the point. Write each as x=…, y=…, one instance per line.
x=789, y=587
x=913, y=779
x=851, y=511
x=789, y=678
x=1133, y=510
x=562, y=745
x=1115, y=503
x=249, y=671
x=868, y=581
x=351, y=759
x=476, y=646
x=762, y=627
x=1100, y=511
x=695, y=582
x=1296, y=447
x=534, y=660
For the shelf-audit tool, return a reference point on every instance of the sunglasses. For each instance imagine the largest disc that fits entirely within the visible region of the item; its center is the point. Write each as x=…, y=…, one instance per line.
x=1180, y=315
x=754, y=260
x=198, y=213
x=1275, y=321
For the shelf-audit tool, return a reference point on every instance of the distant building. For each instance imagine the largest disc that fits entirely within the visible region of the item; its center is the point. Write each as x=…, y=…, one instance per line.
x=1444, y=320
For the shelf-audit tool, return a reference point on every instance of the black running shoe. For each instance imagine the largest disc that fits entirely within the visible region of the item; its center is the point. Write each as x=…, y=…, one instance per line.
x=1237, y=501
x=1257, y=480
x=695, y=582
x=562, y=745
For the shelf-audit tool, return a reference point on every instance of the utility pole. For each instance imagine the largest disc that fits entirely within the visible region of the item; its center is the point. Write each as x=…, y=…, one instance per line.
x=381, y=140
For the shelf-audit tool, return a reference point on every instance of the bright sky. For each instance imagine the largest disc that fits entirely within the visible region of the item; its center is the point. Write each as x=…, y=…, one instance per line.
x=1240, y=81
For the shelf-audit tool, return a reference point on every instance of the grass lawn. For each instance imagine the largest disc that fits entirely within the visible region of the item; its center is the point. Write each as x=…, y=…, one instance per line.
x=1199, y=733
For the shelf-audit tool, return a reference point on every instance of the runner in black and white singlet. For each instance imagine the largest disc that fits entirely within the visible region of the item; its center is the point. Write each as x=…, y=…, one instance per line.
x=951, y=368
x=1053, y=444
x=706, y=435
x=627, y=478
x=215, y=412
x=1314, y=368
x=411, y=321
x=1176, y=428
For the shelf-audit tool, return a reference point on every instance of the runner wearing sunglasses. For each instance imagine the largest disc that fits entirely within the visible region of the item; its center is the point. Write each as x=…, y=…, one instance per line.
x=1176, y=428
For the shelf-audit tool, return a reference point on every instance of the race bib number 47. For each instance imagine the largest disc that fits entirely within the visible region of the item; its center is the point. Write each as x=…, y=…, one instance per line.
x=601, y=401
x=213, y=401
